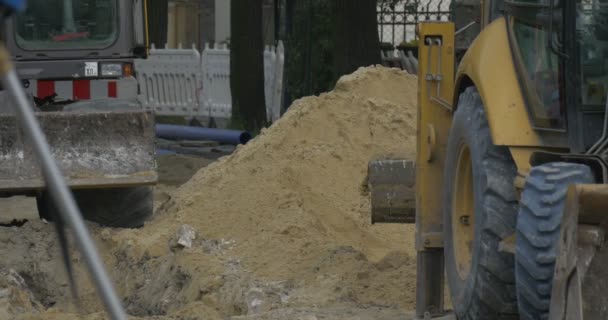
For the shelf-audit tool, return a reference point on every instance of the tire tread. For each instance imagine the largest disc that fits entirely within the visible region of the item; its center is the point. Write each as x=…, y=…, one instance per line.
x=493, y=296
x=537, y=233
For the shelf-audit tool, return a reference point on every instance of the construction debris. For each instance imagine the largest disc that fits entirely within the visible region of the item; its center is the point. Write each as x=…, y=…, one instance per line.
x=285, y=219
x=185, y=235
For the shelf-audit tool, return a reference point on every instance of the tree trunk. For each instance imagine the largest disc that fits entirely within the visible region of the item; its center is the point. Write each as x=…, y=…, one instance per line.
x=355, y=31
x=158, y=12
x=247, y=65
x=309, y=48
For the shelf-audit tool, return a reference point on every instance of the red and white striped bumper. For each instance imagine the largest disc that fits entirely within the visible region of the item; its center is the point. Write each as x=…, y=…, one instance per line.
x=84, y=89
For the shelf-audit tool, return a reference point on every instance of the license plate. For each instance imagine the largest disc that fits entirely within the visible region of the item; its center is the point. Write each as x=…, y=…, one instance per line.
x=91, y=69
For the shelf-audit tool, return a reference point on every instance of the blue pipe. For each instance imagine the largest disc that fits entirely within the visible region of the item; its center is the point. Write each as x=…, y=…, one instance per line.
x=162, y=152
x=174, y=132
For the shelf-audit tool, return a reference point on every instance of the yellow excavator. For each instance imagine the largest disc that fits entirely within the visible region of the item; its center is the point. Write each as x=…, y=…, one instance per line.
x=511, y=194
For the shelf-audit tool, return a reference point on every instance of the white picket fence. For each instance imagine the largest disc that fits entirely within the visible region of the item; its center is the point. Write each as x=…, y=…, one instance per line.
x=170, y=81
x=185, y=83
x=216, y=98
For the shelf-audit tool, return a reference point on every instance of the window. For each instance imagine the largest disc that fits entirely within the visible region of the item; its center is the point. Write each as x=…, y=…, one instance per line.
x=592, y=36
x=67, y=24
x=540, y=66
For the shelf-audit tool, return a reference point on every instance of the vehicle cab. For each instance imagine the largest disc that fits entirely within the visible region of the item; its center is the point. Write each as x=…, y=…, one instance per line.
x=71, y=50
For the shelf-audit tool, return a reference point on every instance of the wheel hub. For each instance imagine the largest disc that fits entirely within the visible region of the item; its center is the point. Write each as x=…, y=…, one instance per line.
x=463, y=217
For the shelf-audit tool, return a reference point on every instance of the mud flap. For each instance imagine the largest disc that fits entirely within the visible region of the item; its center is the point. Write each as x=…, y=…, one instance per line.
x=94, y=150
x=392, y=190
x=581, y=276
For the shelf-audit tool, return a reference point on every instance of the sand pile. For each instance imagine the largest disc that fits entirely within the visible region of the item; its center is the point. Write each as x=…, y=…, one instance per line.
x=283, y=223
x=303, y=178
x=292, y=200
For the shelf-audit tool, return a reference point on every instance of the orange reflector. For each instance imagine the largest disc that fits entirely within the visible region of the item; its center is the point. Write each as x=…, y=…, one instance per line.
x=127, y=70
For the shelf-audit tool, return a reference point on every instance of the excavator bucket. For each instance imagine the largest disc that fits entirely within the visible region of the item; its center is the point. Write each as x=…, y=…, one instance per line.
x=392, y=189
x=581, y=273
x=95, y=150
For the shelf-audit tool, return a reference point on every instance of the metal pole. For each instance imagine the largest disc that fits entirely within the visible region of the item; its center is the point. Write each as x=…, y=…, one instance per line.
x=58, y=188
x=68, y=16
x=277, y=22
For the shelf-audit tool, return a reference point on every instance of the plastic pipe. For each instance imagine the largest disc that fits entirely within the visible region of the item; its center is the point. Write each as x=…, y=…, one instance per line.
x=175, y=132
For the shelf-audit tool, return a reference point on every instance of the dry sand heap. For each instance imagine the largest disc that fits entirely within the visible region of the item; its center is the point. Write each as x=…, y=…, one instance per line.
x=282, y=225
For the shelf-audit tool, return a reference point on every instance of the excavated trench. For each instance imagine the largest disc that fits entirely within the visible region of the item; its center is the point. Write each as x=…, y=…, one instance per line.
x=281, y=226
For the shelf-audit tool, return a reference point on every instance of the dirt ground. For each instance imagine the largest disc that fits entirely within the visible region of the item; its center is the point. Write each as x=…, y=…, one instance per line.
x=281, y=226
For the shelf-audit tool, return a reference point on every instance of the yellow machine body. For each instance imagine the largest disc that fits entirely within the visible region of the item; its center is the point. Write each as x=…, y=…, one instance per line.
x=434, y=120
x=487, y=65
x=490, y=67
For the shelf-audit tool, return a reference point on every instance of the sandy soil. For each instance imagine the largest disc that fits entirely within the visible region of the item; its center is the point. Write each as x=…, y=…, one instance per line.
x=282, y=226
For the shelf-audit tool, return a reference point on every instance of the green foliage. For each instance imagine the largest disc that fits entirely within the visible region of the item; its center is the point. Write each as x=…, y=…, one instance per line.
x=411, y=43
x=315, y=55
x=310, y=50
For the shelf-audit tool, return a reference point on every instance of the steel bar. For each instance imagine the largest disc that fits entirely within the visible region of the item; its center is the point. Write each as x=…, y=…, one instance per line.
x=58, y=188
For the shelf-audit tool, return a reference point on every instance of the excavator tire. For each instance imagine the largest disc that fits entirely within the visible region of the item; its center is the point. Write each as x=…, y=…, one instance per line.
x=486, y=288
x=538, y=226
x=116, y=207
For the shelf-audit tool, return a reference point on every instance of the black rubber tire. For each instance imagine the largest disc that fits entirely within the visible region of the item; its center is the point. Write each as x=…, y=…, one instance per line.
x=538, y=226
x=488, y=292
x=116, y=207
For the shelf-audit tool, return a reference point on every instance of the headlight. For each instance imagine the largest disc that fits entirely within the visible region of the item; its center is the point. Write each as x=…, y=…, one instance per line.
x=111, y=70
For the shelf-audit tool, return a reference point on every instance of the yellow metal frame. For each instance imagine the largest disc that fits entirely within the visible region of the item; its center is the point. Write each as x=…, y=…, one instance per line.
x=463, y=217
x=147, y=41
x=434, y=121
x=488, y=65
